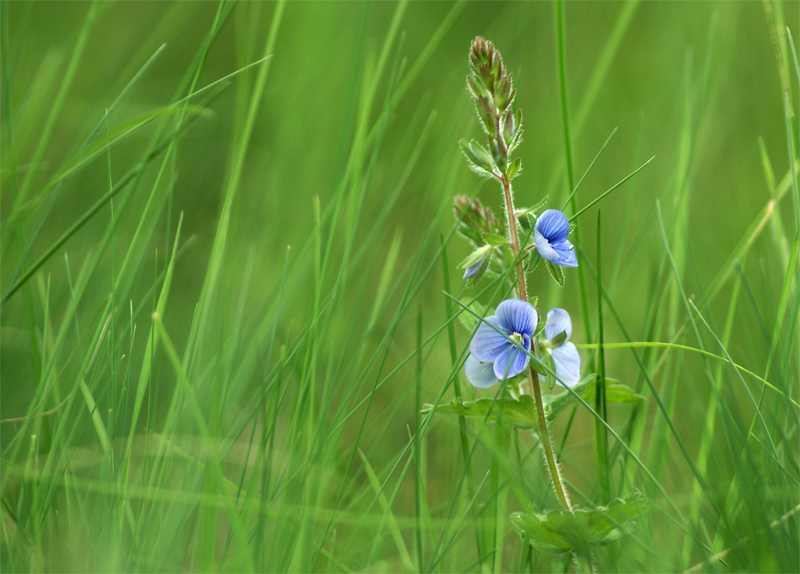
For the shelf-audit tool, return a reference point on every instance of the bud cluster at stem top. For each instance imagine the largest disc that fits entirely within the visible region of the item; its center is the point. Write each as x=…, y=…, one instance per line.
x=476, y=219
x=492, y=88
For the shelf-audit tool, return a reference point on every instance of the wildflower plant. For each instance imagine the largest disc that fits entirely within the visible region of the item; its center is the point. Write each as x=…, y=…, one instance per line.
x=514, y=346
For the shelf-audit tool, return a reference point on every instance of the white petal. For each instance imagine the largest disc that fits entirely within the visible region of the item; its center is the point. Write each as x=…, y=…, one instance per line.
x=479, y=374
x=568, y=364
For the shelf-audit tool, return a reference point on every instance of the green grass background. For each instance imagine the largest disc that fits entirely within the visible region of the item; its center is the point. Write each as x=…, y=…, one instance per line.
x=276, y=394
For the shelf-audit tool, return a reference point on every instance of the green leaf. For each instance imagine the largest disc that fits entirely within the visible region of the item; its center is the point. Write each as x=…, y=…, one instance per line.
x=616, y=393
x=555, y=272
x=539, y=533
x=513, y=169
x=521, y=413
x=558, y=532
x=494, y=239
x=475, y=256
x=468, y=319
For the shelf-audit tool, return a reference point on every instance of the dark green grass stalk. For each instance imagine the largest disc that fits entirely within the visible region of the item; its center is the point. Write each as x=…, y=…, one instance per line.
x=601, y=437
x=418, y=466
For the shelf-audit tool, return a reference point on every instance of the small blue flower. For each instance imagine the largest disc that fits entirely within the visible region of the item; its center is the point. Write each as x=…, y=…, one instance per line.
x=472, y=271
x=492, y=356
x=550, y=235
x=565, y=356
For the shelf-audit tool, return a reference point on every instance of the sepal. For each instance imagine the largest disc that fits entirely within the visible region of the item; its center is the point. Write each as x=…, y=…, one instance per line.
x=532, y=260
x=479, y=159
x=513, y=169
x=550, y=363
x=555, y=272
x=556, y=341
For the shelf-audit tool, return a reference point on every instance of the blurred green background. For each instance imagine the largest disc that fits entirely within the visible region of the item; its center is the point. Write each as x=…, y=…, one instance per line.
x=695, y=84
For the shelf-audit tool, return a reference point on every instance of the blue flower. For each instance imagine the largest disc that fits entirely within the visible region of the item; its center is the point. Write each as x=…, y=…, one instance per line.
x=472, y=271
x=565, y=356
x=492, y=356
x=550, y=235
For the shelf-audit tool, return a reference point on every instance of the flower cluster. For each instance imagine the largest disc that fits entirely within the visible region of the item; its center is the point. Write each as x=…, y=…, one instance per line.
x=501, y=346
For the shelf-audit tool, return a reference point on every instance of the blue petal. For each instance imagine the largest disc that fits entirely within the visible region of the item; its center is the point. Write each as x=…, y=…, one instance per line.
x=517, y=316
x=566, y=254
x=544, y=248
x=553, y=225
x=568, y=364
x=557, y=321
x=471, y=271
x=487, y=344
x=479, y=374
x=512, y=356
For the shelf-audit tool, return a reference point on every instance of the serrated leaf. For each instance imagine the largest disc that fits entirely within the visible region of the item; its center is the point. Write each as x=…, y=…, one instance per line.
x=555, y=272
x=494, y=239
x=469, y=320
x=558, y=532
x=519, y=412
x=533, y=527
x=607, y=522
x=616, y=393
x=475, y=256
x=513, y=169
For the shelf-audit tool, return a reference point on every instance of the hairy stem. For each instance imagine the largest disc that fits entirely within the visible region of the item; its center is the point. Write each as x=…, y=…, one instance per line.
x=533, y=376
x=512, y=226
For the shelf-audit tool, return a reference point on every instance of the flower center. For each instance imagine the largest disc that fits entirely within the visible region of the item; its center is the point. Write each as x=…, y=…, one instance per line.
x=517, y=338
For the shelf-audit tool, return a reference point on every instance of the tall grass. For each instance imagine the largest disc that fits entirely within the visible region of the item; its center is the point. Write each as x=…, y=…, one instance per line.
x=228, y=284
